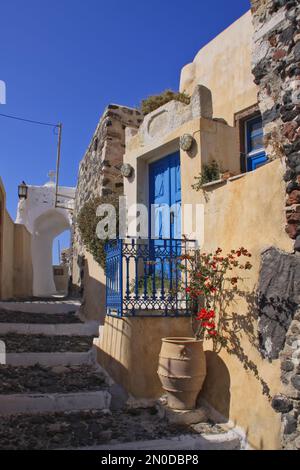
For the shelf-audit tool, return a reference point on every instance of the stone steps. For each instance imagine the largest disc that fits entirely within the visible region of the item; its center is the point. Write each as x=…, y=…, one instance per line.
x=21, y=343
x=222, y=441
x=105, y=430
x=36, y=403
x=12, y=316
x=50, y=306
x=57, y=379
x=50, y=359
x=54, y=396
x=59, y=329
x=50, y=364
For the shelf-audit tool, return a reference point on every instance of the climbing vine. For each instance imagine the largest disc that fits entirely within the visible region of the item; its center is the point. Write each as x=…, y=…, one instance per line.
x=87, y=222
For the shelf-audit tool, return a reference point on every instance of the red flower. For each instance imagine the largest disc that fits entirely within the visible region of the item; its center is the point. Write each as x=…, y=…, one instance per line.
x=212, y=332
x=203, y=310
x=205, y=315
x=202, y=314
x=211, y=314
x=210, y=325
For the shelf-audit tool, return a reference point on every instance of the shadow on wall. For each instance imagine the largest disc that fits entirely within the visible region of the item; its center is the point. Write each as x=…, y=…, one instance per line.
x=216, y=387
x=91, y=290
x=237, y=325
x=238, y=328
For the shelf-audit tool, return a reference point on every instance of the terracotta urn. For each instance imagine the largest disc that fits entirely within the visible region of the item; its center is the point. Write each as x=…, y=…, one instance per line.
x=182, y=370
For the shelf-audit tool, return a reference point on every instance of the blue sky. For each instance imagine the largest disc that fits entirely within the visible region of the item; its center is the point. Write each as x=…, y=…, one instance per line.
x=65, y=60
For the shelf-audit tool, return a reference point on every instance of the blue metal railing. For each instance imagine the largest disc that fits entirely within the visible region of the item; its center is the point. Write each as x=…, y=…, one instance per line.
x=145, y=277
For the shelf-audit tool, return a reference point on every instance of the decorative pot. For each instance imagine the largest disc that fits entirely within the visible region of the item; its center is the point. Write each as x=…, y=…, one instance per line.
x=182, y=370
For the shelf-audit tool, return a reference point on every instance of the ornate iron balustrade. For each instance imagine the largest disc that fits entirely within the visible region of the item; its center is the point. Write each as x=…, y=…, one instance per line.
x=145, y=277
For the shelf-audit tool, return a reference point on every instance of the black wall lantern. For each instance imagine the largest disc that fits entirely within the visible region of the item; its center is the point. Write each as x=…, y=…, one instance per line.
x=22, y=190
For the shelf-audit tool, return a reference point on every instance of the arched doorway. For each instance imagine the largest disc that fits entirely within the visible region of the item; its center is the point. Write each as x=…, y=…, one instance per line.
x=46, y=212
x=46, y=228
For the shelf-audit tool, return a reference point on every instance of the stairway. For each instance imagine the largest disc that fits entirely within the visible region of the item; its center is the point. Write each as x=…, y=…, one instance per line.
x=50, y=370
x=53, y=395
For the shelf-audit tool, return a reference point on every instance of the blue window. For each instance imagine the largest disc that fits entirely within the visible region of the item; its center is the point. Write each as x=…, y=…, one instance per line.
x=255, y=152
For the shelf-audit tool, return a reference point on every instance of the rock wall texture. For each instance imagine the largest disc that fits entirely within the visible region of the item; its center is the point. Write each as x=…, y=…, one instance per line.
x=99, y=171
x=276, y=68
x=278, y=299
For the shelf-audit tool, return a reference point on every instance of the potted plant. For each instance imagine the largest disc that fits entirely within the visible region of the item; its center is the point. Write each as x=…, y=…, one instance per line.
x=182, y=367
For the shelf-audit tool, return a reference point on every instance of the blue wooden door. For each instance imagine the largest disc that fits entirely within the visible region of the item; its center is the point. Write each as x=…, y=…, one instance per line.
x=165, y=193
x=165, y=220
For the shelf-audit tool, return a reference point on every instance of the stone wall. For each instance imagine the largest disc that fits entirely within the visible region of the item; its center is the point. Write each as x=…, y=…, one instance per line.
x=276, y=68
x=99, y=174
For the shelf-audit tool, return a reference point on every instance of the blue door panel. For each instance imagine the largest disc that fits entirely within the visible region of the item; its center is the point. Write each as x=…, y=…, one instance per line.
x=165, y=192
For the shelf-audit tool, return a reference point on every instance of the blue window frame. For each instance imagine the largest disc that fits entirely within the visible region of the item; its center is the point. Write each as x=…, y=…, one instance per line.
x=255, y=152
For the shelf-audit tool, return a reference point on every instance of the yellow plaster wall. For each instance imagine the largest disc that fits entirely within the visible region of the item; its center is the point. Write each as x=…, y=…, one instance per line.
x=15, y=255
x=23, y=274
x=7, y=262
x=220, y=142
x=246, y=212
x=94, y=290
x=224, y=66
x=129, y=348
x=214, y=140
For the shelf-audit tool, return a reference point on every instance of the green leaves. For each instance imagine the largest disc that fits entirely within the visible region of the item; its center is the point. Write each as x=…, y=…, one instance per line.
x=87, y=223
x=156, y=101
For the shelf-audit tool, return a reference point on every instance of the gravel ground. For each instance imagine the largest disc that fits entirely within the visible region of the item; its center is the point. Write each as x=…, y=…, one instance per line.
x=41, y=343
x=8, y=316
x=59, y=430
x=59, y=379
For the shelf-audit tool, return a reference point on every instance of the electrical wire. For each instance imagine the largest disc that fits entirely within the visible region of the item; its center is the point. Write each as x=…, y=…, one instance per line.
x=29, y=120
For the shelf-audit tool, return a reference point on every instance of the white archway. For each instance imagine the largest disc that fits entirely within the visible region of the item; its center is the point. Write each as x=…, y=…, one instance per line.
x=46, y=228
x=45, y=222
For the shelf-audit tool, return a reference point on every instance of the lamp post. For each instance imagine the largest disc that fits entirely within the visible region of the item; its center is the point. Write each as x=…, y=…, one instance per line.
x=22, y=190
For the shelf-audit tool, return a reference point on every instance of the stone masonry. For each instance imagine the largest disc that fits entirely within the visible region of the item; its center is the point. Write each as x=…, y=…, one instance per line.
x=276, y=68
x=99, y=170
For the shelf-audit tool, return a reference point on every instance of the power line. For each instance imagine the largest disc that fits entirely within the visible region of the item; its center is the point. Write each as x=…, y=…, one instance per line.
x=29, y=120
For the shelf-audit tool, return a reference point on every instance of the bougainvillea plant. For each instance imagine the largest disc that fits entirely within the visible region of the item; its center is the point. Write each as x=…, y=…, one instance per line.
x=210, y=275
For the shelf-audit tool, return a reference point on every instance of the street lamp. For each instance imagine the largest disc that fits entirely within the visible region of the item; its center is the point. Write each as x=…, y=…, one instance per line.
x=22, y=190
